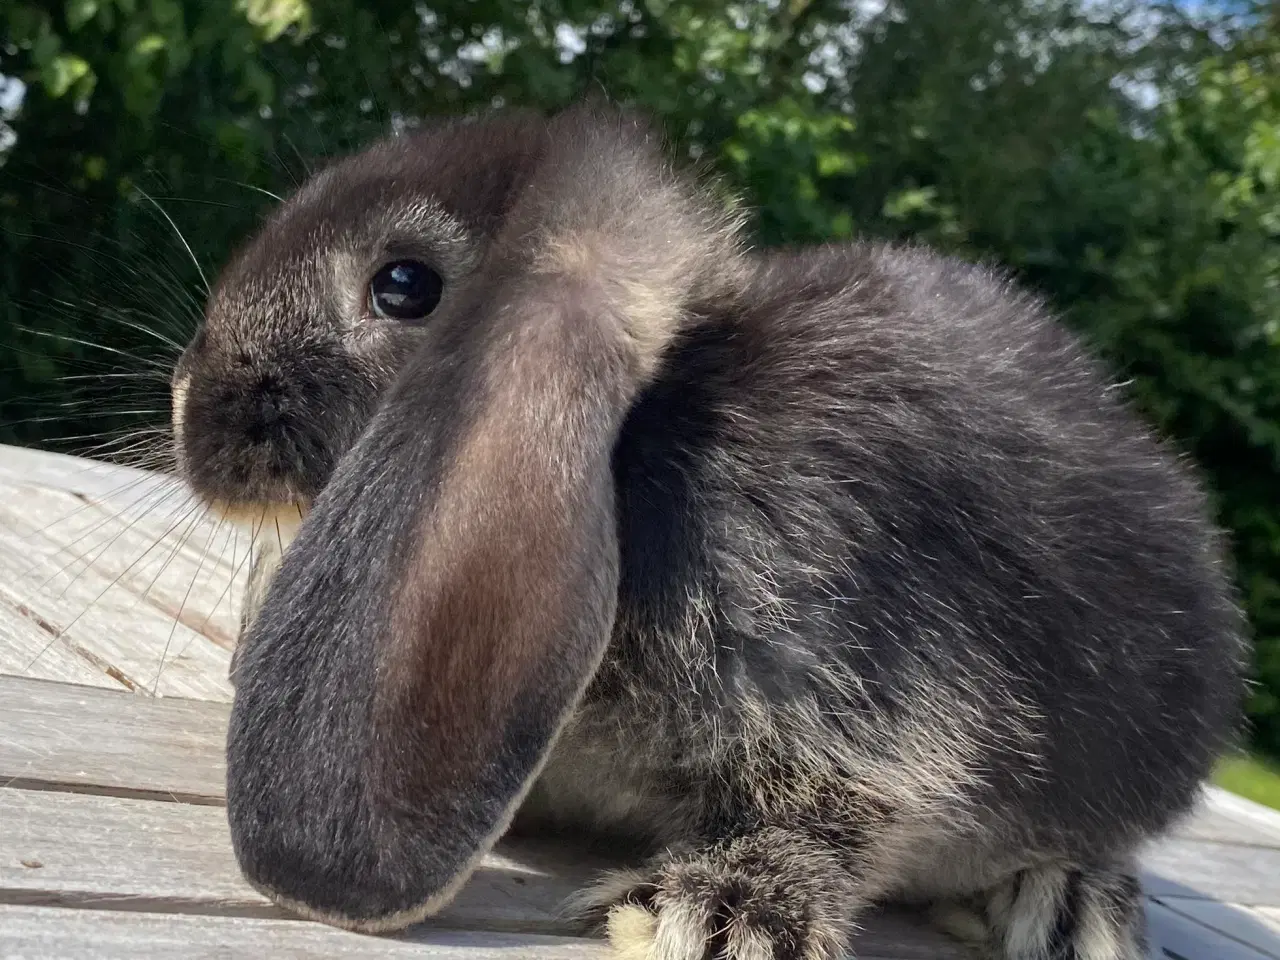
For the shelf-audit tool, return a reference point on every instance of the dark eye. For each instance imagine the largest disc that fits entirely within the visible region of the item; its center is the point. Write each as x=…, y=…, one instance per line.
x=405, y=290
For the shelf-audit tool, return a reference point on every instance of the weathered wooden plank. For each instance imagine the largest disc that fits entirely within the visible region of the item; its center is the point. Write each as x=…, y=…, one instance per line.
x=1213, y=871
x=112, y=853
x=1213, y=826
x=61, y=736
x=165, y=550
x=69, y=490
x=104, y=608
x=25, y=647
x=46, y=933
x=49, y=933
x=96, y=848
x=70, y=849
x=1248, y=925
x=107, y=572
x=95, y=740
x=893, y=932
x=1225, y=818
x=1269, y=917
x=117, y=616
x=1177, y=937
x=79, y=475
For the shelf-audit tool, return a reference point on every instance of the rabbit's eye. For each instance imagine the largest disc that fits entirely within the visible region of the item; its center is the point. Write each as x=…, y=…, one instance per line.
x=405, y=290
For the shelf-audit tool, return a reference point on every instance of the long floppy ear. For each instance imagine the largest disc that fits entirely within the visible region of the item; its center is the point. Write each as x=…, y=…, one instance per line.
x=453, y=589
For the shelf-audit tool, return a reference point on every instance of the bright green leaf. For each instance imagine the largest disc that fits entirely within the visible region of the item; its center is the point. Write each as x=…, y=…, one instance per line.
x=80, y=12
x=62, y=72
x=274, y=17
x=149, y=45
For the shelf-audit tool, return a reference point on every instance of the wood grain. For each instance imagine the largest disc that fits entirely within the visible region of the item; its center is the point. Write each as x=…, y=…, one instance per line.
x=175, y=857
x=1178, y=937
x=114, y=577
x=44, y=933
x=59, y=736
x=108, y=579
x=1225, y=818
x=1214, y=871
x=1248, y=925
x=139, y=854
x=97, y=852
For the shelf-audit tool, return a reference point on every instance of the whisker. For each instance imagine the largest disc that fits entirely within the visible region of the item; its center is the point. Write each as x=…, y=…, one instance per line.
x=89, y=504
x=183, y=239
x=172, y=290
x=150, y=443
x=132, y=325
x=84, y=397
x=63, y=632
x=107, y=518
x=95, y=415
x=140, y=456
x=198, y=200
x=93, y=346
x=80, y=314
x=147, y=375
x=234, y=540
x=182, y=542
x=99, y=367
x=250, y=186
x=306, y=167
x=155, y=687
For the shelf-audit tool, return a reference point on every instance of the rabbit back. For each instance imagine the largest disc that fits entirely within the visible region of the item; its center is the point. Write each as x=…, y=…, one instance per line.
x=888, y=532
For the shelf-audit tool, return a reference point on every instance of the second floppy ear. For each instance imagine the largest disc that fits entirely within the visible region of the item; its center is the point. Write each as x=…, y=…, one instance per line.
x=453, y=589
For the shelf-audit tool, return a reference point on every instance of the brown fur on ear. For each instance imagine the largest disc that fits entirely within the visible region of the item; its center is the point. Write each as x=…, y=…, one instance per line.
x=453, y=589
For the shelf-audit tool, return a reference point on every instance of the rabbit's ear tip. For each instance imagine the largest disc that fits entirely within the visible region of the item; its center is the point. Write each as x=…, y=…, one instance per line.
x=375, y=894
x=353, y=827
x=374, y=923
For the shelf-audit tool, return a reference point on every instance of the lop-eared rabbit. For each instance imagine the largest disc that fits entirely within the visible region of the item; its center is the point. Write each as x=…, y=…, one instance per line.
x=829, y=576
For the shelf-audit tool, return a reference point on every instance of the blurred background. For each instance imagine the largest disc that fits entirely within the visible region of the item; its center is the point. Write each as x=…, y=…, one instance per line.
x=1122, y=157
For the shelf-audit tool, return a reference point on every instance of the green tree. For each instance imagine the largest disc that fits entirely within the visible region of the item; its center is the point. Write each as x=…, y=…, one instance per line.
x=1154, y=228
x=1119, y=158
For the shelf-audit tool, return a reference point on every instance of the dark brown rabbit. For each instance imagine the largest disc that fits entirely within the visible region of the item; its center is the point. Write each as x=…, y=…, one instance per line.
x=831, y=575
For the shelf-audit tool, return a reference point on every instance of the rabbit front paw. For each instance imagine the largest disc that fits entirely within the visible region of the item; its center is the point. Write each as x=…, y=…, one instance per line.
x=773, y=895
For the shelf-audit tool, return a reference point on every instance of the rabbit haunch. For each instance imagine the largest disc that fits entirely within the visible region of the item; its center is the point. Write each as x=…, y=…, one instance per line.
x=828, y=575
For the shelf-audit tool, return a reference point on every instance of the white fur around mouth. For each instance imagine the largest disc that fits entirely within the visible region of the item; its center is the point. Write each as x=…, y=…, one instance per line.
x=275, y=522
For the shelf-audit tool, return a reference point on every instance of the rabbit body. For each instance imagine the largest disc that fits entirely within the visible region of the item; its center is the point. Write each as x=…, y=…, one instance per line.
x=909, y=604
x=910, y=607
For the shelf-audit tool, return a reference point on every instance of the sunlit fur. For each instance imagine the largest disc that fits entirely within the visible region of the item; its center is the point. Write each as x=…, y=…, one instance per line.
x=905, y=601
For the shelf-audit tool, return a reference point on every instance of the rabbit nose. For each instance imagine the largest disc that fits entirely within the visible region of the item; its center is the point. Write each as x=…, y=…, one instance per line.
x=267, y=408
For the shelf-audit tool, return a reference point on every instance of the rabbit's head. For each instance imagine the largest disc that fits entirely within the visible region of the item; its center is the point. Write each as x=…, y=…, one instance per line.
x=453, y=587
x=310, y=322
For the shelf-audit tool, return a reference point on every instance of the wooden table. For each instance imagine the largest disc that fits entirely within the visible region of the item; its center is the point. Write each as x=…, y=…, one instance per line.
x=118, y=610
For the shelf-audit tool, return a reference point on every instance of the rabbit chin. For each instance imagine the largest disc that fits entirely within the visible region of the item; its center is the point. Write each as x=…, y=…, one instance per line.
x=264, y=521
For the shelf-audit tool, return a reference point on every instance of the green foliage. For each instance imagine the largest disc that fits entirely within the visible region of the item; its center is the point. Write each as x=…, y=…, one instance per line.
x=1000, y=129
x=1156, y=232
x=1251, y=777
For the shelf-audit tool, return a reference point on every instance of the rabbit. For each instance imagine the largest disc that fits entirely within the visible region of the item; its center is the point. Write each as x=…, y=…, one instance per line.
x=824, y=577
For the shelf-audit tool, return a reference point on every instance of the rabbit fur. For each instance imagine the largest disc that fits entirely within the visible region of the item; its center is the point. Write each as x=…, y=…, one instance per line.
x=882, y=591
